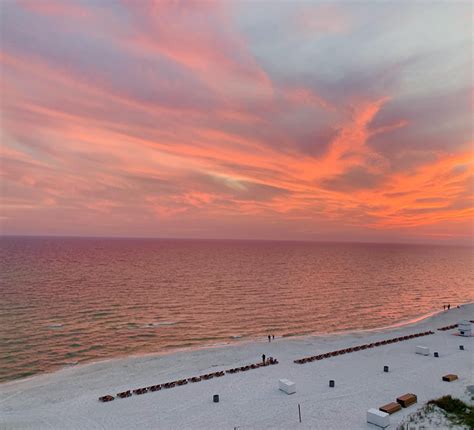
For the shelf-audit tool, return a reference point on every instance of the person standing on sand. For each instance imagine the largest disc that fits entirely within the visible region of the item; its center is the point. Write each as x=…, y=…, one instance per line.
x=449, y=306
x=273, y=337
x=269, y=338
x=444, y=307
x=263, y=358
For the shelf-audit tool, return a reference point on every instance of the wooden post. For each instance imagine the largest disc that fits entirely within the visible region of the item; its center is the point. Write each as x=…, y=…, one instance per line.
x=299, y=411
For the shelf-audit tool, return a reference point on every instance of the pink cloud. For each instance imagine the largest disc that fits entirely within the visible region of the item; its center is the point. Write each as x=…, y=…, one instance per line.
x=193, y=129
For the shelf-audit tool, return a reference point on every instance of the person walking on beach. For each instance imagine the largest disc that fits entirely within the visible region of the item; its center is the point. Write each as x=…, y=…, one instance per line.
x=449, y=306
x=273, y=337
x=263, y=358
x=444, y=307
x=269, y=338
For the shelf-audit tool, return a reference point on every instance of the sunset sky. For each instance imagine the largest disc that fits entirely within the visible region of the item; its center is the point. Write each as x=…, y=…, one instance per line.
x=266, y=120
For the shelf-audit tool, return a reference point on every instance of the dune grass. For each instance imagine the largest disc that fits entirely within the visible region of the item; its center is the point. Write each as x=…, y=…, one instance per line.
x=456, y=410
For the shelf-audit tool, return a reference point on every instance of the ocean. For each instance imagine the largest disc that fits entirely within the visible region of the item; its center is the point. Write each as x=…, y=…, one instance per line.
x=66, y=301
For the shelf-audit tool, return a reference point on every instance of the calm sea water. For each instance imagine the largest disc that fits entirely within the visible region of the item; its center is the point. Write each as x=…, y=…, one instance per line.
x=67, y=300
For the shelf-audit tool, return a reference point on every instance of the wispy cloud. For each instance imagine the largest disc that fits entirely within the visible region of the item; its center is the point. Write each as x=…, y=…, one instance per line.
x=221, y=119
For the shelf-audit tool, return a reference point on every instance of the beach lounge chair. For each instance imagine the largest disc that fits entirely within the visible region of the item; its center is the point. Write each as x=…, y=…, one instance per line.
x=390, y=408
x=450, y=377
x=107, y=398
x=407, y=400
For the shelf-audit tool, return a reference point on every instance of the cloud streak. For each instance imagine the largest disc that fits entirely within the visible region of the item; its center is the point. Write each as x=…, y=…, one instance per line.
x=192, y=119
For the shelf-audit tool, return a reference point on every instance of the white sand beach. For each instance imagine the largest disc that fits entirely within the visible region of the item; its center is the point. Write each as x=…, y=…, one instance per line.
x=68, y=399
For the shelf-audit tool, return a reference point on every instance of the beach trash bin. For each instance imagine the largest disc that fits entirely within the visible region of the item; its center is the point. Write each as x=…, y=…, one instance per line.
x=332, y=383
x=215, y=398
x=436, y=354
x=287, y=386
x=385, y=369
x=461, y=347
x=379, y=418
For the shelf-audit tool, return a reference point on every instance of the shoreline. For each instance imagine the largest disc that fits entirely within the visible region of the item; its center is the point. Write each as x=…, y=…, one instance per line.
x=68, y=398
x=239, y=342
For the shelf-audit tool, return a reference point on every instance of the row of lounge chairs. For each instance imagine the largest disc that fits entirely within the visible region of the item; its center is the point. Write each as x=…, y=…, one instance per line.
x=360, y=347
x=268, y=362
x=448, y=327
x=207, y=376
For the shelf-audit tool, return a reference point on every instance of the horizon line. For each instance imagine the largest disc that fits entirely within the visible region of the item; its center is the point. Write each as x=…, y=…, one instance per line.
x=72, y=236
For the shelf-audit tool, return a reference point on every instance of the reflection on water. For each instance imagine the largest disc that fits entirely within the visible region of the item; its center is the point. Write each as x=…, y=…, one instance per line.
x=66, y=301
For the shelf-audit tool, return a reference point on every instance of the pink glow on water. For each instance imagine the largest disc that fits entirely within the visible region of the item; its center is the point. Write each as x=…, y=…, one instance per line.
x=67, y=301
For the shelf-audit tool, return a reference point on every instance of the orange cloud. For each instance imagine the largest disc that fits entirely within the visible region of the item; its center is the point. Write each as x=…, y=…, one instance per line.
x=194, y=129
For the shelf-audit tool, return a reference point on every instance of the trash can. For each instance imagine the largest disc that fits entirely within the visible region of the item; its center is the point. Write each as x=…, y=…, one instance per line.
x=331, y=383
x=215, y=398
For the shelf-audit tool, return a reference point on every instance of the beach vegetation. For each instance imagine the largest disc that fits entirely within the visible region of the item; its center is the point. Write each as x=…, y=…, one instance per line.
x=456, y=410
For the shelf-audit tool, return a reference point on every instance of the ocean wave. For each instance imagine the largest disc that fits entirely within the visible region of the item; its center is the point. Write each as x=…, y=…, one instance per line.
x=159, y=324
